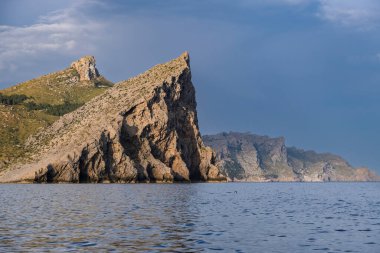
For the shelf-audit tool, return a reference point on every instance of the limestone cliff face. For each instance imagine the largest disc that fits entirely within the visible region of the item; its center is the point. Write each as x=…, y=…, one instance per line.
x=248, y=157
x=144, y=129
x=86, y=68
x=311, y=167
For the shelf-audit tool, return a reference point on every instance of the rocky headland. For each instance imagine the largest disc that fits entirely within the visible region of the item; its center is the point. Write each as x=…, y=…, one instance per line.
x=75, y=126
x=144, y=129
x=249, y=157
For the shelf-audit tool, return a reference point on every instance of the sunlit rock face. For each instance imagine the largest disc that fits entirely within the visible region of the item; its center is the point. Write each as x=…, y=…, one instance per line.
x=86, y=68
x=144, y=129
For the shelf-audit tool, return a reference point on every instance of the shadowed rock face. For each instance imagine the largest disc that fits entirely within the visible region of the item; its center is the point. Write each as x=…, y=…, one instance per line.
x=144, y=129
x=249, y=157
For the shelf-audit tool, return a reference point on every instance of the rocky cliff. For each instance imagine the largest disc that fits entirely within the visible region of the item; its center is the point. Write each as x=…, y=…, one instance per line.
x=144, y=129
x=249, y=157
x=86, y=68
x=37, y=103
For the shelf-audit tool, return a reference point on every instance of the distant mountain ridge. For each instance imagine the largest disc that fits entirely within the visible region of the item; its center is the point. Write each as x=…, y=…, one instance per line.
x=249, y=157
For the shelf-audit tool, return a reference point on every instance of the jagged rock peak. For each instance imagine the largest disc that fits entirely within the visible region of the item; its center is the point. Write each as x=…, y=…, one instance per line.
x=185, y=55
x=86, y=67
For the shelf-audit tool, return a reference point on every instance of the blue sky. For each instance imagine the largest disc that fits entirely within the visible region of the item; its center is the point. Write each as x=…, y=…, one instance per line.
x=308, y=70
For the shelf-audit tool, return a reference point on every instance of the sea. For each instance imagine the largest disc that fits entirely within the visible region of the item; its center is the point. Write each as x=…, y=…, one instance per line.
x=196, y=217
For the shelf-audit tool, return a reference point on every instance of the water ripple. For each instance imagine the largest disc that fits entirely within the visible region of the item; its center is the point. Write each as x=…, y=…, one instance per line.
x=191, y=217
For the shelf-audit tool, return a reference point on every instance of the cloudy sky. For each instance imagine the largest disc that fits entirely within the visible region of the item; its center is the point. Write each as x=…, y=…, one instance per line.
x=308, y=70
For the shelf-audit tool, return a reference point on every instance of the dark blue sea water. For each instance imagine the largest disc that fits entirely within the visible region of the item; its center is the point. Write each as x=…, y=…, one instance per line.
x=233, y=217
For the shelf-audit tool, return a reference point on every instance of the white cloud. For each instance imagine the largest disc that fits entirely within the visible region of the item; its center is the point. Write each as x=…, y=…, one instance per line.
x=363, y=14
x=66, y=31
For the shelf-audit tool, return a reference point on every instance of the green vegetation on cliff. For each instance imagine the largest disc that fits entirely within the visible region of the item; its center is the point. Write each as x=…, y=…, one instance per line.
x=29, y=106
x=12, y=99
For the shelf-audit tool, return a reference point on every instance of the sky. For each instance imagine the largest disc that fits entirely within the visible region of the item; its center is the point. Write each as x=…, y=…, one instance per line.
x=308, y=70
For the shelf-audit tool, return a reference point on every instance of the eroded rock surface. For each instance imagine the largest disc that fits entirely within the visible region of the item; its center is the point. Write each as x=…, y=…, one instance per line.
x=249, y=157
x=86, y=68
x=144, y=129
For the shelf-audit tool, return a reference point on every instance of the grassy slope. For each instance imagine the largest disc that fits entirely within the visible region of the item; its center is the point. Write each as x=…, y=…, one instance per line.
x=18, y=123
